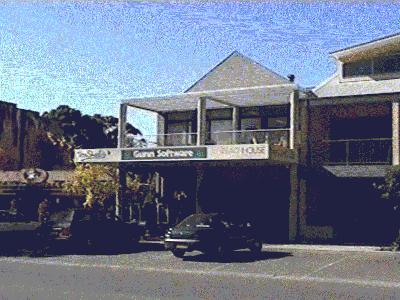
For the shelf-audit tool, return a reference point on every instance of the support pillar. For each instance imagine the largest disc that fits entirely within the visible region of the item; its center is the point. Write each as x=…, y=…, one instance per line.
x=122, y=125
x=120, y=199
x=201, y=121
x=396, y=132
x=160, y=130
x=294, y=99
x=235, y=124
x=293, y=203
x=199, y=180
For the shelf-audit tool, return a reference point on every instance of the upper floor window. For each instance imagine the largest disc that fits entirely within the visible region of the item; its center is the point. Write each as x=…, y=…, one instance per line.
x=179, y=134
x=375, y=66
x=358, y=68
x=388, y=64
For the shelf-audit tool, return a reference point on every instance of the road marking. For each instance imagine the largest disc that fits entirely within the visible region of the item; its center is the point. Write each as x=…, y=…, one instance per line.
x=335, y=280
x=326, y=266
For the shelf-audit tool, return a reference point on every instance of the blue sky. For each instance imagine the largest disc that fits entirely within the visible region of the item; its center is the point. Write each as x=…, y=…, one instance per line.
x=90, y=56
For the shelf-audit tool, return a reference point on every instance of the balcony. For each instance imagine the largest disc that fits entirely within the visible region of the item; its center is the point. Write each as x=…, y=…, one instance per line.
x=359, y=151
x=271, y=136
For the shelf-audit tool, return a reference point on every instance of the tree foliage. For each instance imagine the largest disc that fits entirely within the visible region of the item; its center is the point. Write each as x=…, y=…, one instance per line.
x=97, y=183
x=6, y=161
x=390, y=190
x=68, y=129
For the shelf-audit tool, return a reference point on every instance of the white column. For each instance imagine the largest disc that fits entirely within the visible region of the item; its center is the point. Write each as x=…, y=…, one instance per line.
x=396, y=132
x=294, y=99
x=199, y=181
x=201, y=121
x=122, y=125
x=160, y=130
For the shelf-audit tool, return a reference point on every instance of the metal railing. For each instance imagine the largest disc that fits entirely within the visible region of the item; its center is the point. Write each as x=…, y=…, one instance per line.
x=272, y=136
x=359, y=151
x=259, y=136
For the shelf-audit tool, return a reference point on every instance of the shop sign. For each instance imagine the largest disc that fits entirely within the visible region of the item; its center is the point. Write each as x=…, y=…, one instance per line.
x=173, y=153
x=97, y=155
x=221, y=152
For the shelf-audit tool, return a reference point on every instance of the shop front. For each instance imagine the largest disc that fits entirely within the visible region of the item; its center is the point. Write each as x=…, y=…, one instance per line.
x=247, y=181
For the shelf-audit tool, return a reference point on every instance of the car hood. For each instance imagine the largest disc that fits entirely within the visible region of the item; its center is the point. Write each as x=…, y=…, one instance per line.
x=189, y=233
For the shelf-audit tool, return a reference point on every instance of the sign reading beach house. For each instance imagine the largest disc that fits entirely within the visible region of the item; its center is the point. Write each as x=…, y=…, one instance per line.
x=222, y=152
x=175, y=153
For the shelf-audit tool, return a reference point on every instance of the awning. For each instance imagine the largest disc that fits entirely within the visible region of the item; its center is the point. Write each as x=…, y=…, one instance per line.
x=358, y=171
x=239, y=97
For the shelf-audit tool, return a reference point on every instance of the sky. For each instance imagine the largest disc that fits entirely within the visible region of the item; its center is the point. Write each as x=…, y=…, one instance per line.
x=91, y=55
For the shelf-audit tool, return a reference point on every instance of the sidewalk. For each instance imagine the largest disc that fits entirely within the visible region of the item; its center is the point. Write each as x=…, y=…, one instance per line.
x=303, y=247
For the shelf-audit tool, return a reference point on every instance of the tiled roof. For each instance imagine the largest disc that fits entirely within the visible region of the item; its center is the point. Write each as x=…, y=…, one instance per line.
x=17, y=177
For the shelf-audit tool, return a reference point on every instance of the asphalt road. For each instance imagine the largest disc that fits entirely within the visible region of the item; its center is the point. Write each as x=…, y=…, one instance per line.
x=156, y=274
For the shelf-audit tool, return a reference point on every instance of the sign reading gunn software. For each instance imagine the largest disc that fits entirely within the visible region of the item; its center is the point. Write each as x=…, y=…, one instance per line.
x=165, y=153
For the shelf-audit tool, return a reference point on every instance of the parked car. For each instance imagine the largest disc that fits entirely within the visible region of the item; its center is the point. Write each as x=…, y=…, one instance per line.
x=212, y=233
x=94, y=228
x=18, y=232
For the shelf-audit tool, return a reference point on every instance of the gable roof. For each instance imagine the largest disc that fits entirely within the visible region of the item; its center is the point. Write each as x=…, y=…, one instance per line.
x=237, y=71
x=377, y=46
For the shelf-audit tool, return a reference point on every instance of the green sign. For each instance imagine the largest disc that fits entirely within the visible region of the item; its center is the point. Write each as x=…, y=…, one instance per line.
x=173, y=153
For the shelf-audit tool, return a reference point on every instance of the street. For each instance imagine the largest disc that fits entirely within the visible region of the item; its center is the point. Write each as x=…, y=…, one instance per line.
x=156, y=274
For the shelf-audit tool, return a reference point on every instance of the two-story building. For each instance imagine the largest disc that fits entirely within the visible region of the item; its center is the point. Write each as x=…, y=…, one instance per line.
x=353, y=133
x=300, y=164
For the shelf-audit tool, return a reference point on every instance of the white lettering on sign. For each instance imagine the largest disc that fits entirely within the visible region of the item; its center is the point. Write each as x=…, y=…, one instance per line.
x=144, y=154
x=239, y=151
x=172, y=154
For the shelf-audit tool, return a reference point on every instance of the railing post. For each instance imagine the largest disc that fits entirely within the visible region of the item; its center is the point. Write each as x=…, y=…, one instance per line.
x=347, y=152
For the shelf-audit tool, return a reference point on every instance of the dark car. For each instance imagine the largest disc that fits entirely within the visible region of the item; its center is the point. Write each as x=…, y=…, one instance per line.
x=18, y=232
x=94, y=228
x=212, y=233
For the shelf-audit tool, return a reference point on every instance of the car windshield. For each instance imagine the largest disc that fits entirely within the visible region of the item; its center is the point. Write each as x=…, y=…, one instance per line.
x=198, y=219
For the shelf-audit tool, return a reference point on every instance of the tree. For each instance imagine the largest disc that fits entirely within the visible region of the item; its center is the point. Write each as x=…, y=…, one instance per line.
x=390, y=190
x=68, y=129
x=7, y=162
x=97, y=183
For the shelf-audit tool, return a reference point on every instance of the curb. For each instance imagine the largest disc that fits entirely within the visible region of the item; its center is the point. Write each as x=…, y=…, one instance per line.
x=337, y=248
x=303, y=247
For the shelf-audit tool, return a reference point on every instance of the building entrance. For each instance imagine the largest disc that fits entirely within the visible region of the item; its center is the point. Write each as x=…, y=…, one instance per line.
x=260, y=194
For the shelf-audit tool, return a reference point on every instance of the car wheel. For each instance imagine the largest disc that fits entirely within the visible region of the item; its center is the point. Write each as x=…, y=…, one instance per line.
x=256, y=246
x=178, y=253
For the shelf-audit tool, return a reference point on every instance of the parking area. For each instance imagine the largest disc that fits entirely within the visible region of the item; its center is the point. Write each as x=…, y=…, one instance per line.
x=154, y=273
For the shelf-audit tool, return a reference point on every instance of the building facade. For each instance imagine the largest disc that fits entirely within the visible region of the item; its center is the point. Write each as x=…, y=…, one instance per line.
x=301, y=164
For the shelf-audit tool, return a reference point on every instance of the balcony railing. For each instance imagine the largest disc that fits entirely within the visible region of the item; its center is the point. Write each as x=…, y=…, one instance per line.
x=360, y=151
x=272, y=136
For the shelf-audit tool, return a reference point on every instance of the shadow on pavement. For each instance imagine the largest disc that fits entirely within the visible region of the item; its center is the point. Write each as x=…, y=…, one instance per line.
x=60, y=249
x=238, y=257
